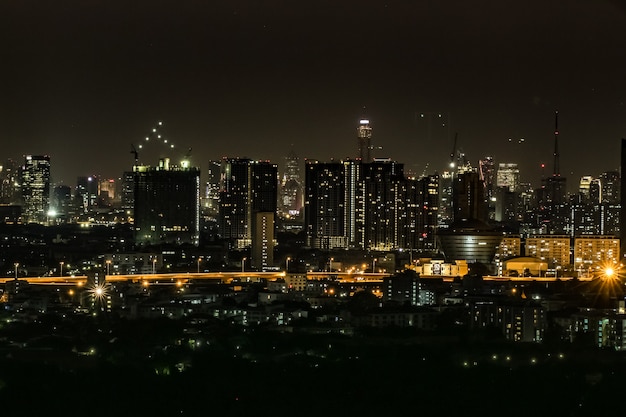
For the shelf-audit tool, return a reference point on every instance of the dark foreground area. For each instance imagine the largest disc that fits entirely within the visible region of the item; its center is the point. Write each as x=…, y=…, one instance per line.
x=159, y=368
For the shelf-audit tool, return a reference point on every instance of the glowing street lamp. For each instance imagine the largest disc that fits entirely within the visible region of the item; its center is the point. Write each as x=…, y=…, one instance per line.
x=374, y=265
x=61, y=268
x=154, y=266
x=199, y=259
x=16, y=266
x=287, y=264
x=243, y=264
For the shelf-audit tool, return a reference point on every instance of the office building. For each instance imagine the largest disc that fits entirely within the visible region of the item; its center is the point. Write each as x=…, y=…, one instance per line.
x=35, y=183
x=364, y=140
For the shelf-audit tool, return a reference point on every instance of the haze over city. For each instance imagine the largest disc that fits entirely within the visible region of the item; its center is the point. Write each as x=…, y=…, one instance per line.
x=85, y=80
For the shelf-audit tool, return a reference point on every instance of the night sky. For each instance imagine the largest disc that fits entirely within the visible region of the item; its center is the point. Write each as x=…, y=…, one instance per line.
x=82, y=80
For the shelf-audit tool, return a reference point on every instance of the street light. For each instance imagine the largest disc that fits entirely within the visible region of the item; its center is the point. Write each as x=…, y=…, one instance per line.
x=16, y=265
x=108, y=262
x=330, y=264
x=61, y=268
x=243, y=264
x=374, y=265
x=199, y=259
x=154, y=266
x=287, y=264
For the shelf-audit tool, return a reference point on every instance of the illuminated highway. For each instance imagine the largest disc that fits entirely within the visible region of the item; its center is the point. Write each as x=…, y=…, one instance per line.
x=244, y=277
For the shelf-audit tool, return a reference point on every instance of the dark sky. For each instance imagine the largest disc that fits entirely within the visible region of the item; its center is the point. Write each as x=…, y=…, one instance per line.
x=82, y=80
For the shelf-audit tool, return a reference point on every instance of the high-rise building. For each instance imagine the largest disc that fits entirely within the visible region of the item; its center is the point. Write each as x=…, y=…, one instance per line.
x=61, y=202
x=35, y=180
x=86, y=193
x=128, y=192
x=384, y=206
x=291, y=189
x=445, y=215
x=469, y=197
x=508, y=176
x=263, y=242
x=246, y=187
x=351, y=204
x=610, y=187
x=210, y=204
x=364, y=140
x=324, y=207
x=167, y=203
x=10, y=182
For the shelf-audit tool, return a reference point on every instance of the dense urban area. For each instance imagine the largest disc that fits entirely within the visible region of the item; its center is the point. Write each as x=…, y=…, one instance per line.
x=237, y=288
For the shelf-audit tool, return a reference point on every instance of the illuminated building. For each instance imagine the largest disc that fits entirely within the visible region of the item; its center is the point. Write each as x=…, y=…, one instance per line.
x=519, y=321
x=510, y=246
x=10, y=182
x=596, y=251
x=211, y=201
x=246, y=187
x=291, y=189
x=364, y=140
x=508, y=176
x=263, y=242
x=607, y=327
x=107, y=191
x=610, y=187
x=383, y=206
x=61, y=201
x=402, y=288
x=555, y=250
x=487, y=173
x=167, y=206
x=128, y=191
x=86, y=194
x=350, y=204
x=445, y=214
x=35, y=180
x=417, y=223
x=472, y=241
x=324, y=212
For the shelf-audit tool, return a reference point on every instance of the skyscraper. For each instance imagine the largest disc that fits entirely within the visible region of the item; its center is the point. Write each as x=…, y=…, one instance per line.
x=35, y=179
x=508, y=176
x=291, y=189
x=167, y=203
x=324, y=214
x=246, y=187
x=364, y=140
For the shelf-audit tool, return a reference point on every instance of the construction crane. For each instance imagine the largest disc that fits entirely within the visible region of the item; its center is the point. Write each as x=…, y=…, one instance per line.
x=453, y=153
x=133, y=150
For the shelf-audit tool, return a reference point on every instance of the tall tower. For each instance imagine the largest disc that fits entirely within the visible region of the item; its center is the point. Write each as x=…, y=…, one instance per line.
x=364, y=139
x=35, y=175
x=555, y=185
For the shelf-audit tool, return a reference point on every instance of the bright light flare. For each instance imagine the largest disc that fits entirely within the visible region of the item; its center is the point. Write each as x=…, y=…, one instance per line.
x=99, y=292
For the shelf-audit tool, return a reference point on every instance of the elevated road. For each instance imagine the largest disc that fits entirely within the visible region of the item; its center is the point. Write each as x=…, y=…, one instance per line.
x=249, y=277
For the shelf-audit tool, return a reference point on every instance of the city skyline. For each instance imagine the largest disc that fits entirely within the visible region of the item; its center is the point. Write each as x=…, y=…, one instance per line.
x=231, y=79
